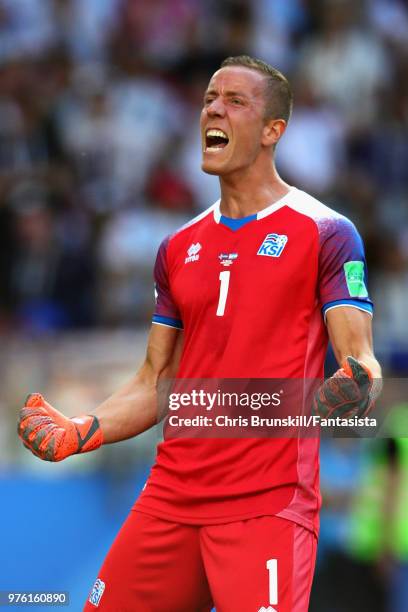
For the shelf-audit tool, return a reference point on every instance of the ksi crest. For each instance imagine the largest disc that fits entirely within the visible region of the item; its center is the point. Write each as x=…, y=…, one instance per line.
x=273, y=245
x=97, y=592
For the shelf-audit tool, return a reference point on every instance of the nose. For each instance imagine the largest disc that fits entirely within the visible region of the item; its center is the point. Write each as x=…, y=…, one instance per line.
x=216, y=108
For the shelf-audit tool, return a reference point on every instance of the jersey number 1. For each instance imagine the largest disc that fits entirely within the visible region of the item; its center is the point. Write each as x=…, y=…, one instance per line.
x=224, y=284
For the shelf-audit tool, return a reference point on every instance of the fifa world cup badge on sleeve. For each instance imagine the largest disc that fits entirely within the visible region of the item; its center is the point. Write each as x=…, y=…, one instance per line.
x=97, y=592
x=354, y=271
x=273, y=245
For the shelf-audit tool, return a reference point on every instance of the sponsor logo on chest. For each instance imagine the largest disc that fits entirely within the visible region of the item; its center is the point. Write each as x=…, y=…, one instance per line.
x=273, y=245
x=227, y=259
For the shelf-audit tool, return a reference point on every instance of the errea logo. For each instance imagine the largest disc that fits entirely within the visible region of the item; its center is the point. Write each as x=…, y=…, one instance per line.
x=268, y=609
x=192, y=253
x=273, y=245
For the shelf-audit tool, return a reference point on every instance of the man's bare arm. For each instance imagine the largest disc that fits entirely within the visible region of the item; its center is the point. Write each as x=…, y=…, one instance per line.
x=133, y=408
x=50, y=435
x=353, y=389
x=350, y=333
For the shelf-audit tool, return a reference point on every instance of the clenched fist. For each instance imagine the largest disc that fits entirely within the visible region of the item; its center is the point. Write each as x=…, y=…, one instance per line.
x=50, y=435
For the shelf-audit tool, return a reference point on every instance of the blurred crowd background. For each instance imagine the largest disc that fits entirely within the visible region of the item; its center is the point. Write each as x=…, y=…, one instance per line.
x=99, y=160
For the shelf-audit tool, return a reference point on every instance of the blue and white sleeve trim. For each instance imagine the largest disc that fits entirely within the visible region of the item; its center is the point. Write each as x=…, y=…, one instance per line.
x=167, y=321
x=359, y=304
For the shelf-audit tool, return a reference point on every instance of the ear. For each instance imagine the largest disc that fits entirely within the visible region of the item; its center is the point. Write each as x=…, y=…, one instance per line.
x=272, y=131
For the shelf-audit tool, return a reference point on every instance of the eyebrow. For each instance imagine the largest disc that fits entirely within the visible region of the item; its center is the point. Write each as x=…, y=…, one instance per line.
x=228, y=94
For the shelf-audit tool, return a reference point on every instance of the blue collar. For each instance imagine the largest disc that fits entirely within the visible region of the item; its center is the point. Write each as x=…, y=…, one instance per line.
x=236, y=224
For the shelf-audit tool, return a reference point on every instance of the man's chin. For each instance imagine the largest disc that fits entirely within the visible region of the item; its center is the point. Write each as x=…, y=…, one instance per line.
x=211, y=167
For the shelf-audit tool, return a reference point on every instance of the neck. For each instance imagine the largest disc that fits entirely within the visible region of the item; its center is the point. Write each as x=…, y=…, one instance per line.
x=246, y=192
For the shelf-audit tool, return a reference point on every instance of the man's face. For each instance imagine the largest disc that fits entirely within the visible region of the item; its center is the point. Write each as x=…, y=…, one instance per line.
x=232, y=120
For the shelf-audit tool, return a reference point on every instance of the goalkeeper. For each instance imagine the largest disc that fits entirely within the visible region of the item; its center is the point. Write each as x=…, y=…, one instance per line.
x=251, y=288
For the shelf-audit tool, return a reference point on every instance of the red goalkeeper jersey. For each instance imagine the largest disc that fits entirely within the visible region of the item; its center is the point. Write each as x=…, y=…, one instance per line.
x=251, y=296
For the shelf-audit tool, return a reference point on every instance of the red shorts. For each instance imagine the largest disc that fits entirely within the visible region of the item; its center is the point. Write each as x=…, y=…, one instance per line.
x=262, y=564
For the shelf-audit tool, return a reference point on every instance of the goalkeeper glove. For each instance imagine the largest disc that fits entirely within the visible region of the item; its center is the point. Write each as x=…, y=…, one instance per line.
x=50, y=435
x=351, y=391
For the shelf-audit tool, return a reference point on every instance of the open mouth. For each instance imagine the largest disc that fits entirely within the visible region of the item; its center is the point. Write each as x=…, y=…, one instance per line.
x=215, y=140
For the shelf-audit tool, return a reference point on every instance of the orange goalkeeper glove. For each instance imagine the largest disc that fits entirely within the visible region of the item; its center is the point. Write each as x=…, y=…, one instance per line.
x=351, y=391
x=50, y=435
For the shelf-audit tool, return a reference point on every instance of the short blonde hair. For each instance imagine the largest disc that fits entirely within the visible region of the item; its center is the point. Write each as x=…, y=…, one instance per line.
x=278, y=92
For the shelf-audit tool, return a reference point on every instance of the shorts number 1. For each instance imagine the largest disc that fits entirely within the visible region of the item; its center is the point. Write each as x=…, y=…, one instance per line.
x=224, y=278
x=272, y=567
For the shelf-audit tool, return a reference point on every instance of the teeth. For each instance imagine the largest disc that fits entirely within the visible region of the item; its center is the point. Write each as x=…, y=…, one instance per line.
x=218, y=133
